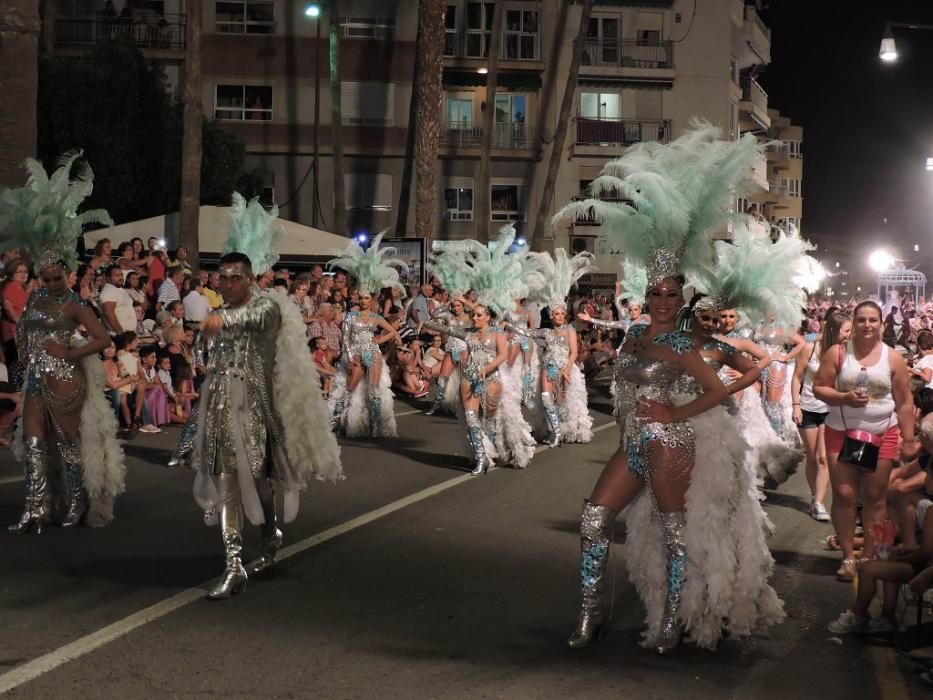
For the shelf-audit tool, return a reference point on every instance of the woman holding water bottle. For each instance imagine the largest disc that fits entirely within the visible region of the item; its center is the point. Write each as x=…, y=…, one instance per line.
x=870, y=422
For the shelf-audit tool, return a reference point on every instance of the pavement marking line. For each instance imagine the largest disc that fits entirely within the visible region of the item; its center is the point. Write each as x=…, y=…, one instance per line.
x=49, y=662
x=409, y=413
x=10, y=480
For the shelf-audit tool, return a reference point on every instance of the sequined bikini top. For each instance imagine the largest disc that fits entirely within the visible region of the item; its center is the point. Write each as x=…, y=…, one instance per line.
x=660, y=376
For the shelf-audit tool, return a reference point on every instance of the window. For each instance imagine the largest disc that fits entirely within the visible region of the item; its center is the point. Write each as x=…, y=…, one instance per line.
x=241, y=102
x=789, y=221
x=602, y=41
x=379, y=28
x=510, y=109
x=520, y=41
x=368, y=191
x=734, y=69
x=458, y=204
x=245, y=16
x=507, y=202
x=794, y=149
x=479, y=28
x=368, y=103
x=451, y=43
x=600, y=105
x=791, y=186
x=459, y=109
x=734, y=120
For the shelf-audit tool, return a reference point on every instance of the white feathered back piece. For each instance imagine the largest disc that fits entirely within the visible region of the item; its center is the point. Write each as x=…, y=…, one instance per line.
x=253, y=232
x=560, y=273
x=374, y=268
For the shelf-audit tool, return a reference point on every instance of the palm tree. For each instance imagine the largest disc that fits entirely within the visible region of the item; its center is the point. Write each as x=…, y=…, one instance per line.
x=336, y=123
x=560, y=135
x=192, y=119
x=481, y=192
x=429, y=115
x=19, y=76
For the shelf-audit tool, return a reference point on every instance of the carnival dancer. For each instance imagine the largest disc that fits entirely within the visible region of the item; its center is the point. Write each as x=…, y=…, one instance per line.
x=678, y=456
x=775, y=389
x=65, y=409
x=261, y=424
x=490, y=397
x=361, y=397
x=561, y=410
x=522, y=348
x=454, y=274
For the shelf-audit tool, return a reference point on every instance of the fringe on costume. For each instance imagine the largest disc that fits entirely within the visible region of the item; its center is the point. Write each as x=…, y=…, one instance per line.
x=576, y=423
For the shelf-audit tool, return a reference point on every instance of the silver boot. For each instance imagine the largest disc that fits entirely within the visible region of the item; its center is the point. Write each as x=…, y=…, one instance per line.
x=596, y=524
x=672, y=628
x=36, y=508
x=439, y=390
x=234, y=576
x=375, y=415
x=528, y=381
x=475, y=431
x=340, y=407
x=271, y=534
x=74, y=482
x=553, y=418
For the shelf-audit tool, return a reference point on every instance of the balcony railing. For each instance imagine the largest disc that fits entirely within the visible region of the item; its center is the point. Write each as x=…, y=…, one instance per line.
x=753, y=92
x=777, y=190
x=515, y=135
x=588, y=219
x=621, y=132
x=475, y=44
x=147, y=32
x=751, y=15
x=628, y=53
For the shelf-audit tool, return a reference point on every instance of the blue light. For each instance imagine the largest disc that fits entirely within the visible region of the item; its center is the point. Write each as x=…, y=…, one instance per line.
x=361, y=238
x=521, y=241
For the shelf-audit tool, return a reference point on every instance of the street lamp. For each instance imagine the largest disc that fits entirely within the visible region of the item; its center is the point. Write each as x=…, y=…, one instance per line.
x=313, y=10
x=929, y=163
x=881, y=261
x=888, y=51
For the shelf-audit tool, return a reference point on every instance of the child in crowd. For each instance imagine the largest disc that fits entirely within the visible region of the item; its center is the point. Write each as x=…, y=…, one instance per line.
x=156, y=400
x=119, y=386
x=184, y=390
x=410, y=379
x=327, y=371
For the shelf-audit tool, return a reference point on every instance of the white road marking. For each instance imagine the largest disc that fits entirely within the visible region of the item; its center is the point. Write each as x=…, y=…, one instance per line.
x=409, y=413
x=48, y=662
x=10, y=480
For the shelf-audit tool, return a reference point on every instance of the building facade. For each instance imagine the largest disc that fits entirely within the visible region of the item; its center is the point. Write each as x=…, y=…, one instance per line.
x=782, y=203
x=649, y=67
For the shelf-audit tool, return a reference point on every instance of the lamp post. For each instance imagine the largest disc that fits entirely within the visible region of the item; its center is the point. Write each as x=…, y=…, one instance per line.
x=313, y=11
x=888, y=50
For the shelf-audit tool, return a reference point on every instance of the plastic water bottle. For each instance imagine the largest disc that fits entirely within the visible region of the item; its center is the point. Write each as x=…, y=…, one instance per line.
x=861, y=382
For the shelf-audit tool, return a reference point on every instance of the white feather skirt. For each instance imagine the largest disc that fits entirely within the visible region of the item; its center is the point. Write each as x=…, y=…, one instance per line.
x=576, y=423
x=729, y=564
x=451, y=401
x=770, y=455
x=357, y=411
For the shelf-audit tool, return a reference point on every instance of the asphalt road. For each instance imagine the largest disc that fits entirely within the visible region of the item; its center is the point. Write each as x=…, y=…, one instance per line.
x=410, y=579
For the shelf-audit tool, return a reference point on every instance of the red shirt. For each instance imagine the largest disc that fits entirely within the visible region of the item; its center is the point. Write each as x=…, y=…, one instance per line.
x=17, y=297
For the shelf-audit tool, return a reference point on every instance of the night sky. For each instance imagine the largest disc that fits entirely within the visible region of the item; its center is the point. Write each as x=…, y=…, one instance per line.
x=868, y=126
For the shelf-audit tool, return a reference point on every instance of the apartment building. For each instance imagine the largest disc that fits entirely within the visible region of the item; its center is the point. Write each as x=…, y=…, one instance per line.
x=782, y=203
x=649, y=66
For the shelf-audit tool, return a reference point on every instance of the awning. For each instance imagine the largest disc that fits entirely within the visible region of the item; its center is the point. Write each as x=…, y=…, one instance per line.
x=516, y=80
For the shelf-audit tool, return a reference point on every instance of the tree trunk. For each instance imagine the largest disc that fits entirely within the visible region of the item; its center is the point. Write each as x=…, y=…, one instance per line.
x=429, y=116
x=189, y=235
x=47, y=11
x=404, y=196
x=481, y=191
x=560, y=136
x=336, y=123
x=19, y=87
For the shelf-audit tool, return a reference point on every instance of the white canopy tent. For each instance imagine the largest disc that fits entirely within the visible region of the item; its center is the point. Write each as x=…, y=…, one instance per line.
x=299, y=240
x=893, y=282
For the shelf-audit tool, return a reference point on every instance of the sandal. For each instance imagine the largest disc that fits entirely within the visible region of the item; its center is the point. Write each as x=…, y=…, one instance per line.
x=832, y=543
x=846, y=572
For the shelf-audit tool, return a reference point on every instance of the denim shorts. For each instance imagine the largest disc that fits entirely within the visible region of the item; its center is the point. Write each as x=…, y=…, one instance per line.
x=811, y=419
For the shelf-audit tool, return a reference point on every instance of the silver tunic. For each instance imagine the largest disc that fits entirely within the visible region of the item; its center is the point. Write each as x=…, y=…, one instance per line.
x=359, y=333
x=236, y=403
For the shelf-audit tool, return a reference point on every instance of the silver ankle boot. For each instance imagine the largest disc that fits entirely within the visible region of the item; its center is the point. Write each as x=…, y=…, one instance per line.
x=74, y=482
x=475, y=431
x=340, y=407
x=553, y=418
x=234, y=576
x=439, y=390
x=596, y=523
x=36, y=506
x=271, y=534
x=375, y=415
x=672, y=628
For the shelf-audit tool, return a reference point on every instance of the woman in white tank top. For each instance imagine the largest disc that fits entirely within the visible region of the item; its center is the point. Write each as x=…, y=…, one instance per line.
x=885, y=404
x=810, y=413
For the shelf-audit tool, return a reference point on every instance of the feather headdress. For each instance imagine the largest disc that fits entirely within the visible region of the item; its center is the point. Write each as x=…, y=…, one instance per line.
x=673, y=197
x=754, y=275
x=373, y=268
x=453, y=270
x=253, y=232
x=42, y=218
x=559, y=274
x=634, y=282
x=500, y=277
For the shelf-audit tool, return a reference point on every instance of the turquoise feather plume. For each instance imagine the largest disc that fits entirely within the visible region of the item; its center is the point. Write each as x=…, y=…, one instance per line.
x=373, y=268
x=253, y=232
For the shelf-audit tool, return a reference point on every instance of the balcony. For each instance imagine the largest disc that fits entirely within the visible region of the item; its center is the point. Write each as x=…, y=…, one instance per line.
x=470, y=44
x=778, y=195
x=150, y=31
x=628, y=53
x=506, y=136
x=756, y=40
x=760, y=171
x=620, y=132
x=753, y=109
x=588, y=219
